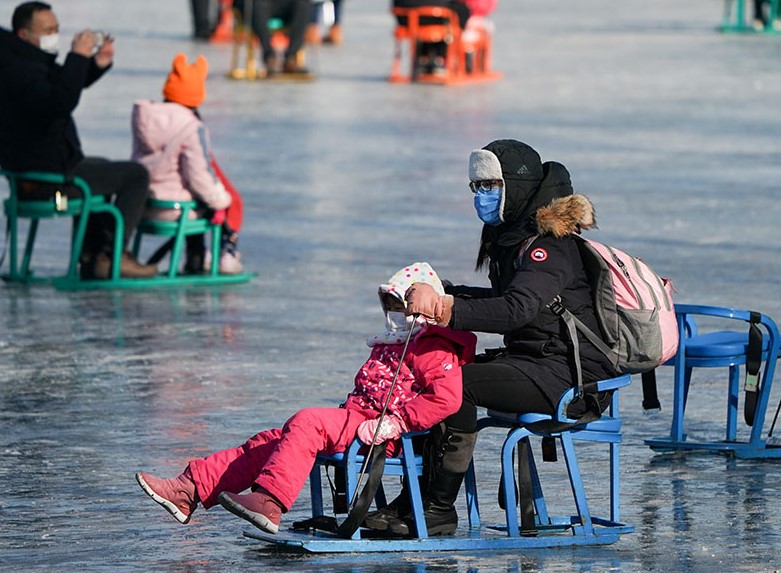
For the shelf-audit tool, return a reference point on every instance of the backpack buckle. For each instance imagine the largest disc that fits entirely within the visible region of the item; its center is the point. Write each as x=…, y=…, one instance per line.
x=556, y=306
x=60, y=201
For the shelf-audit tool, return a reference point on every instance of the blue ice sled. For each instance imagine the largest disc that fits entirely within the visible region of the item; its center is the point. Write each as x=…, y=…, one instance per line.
x=580, y=528
x=724, y=349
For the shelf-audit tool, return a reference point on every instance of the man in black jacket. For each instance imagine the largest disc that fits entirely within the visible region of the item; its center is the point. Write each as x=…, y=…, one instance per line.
x=37, y=131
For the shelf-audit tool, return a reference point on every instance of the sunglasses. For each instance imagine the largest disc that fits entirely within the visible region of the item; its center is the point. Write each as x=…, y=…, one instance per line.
x=485, y=185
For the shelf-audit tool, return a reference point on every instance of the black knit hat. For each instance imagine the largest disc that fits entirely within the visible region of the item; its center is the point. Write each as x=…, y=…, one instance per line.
x=529, y=185
x=522, y=173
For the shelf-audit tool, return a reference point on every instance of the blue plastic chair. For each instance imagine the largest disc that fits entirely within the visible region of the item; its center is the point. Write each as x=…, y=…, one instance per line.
x=585, y=529
x=408, y=464
x=719, y=349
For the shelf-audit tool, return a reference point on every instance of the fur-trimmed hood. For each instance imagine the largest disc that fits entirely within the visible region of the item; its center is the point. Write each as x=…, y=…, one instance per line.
x=566, y=215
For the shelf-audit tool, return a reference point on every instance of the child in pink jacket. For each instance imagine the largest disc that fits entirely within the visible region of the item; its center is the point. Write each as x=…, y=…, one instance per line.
x=172, y=142
x=479, y=24
x=276, y=463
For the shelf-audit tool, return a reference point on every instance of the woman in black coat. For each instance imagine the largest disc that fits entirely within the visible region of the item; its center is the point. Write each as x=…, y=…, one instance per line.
x=530, y=215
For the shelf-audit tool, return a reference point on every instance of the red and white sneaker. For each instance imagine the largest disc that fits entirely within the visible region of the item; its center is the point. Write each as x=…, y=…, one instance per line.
x=260, y=509
x=177, y=495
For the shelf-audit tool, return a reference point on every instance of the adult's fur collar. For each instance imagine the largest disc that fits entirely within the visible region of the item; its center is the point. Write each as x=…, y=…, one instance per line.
x=566, y=215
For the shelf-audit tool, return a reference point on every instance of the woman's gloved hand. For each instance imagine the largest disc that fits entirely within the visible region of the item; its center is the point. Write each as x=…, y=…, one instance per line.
x=423, y=299
x=391, y=428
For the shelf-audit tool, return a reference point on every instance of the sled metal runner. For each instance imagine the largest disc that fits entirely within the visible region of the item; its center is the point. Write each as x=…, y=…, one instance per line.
x=473, y=539
x=535, y=528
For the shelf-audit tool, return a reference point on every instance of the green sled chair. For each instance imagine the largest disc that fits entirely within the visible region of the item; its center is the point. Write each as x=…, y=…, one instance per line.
x=177, y=231
x=78, y=209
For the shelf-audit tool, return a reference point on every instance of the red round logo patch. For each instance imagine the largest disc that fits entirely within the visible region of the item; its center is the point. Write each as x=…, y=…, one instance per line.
x=539, y=255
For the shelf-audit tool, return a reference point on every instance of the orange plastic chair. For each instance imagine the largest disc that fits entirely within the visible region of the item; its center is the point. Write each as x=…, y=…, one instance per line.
x=464, y=61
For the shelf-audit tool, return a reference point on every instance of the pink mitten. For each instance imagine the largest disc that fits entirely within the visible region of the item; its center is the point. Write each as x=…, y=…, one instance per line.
x=391, y=428
x=219, y=217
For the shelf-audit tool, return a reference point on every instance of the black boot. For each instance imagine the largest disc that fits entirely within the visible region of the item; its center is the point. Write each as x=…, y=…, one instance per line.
x=381, y=519
x=401, y=506
x=195, y=249
x=451, y=454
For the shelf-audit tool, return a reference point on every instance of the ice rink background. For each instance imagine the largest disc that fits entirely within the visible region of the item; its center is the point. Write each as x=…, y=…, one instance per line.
x=671, y=128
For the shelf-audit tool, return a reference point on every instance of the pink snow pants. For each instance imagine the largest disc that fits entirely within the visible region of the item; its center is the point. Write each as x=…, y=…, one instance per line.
x=278, y=460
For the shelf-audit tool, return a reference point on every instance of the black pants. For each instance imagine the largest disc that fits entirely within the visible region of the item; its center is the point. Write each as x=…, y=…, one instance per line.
x=762, y=11
x=296, y=15
x=127, y=182
x=206, y=16
x=497, y=386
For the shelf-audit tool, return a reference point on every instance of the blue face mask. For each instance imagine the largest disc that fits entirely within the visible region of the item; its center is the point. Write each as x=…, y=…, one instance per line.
x=487, y=205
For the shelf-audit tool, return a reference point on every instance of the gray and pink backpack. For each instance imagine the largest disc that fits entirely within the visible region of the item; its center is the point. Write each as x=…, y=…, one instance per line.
x=633, y=306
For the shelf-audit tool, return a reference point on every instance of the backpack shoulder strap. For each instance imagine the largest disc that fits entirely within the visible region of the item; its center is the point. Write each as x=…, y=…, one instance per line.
x=574, y=324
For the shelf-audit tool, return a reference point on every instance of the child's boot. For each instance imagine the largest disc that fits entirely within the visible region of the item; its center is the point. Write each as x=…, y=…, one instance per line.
x=177, y=495
x=230, y=259
x=312, y=35
x=257, y=507
x=334, y=35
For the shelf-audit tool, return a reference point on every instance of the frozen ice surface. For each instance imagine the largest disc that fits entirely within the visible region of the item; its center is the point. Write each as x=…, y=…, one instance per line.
x=671, y=127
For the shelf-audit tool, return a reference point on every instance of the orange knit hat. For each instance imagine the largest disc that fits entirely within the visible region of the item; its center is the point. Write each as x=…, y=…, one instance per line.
x=186, y=84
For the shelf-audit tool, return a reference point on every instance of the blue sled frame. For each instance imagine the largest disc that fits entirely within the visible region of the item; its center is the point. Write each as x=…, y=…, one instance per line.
x=581, y=528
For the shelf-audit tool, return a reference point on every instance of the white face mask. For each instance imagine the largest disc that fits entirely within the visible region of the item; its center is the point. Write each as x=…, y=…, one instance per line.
x=50, y=43
x=398, y=321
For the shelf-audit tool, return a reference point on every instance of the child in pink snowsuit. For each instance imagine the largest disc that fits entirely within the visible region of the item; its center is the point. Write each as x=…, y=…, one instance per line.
x=276, y=463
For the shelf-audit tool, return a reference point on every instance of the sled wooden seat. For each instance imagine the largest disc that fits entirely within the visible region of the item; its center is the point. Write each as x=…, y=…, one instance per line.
x=580, y=528
x=78, y=209
x=178, y=230
x=720, y=349
x=463, y=61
